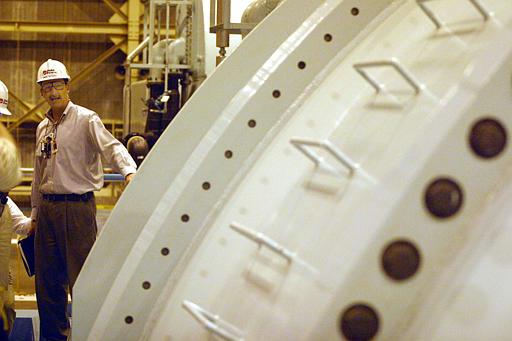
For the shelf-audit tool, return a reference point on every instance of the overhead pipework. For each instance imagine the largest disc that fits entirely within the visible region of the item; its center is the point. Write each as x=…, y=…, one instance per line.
x=344, y=175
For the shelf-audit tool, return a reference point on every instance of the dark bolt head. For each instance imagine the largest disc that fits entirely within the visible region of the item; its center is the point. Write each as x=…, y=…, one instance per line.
x=443, y=197
x=359, y=322
x=488, y=138
x=400, y=260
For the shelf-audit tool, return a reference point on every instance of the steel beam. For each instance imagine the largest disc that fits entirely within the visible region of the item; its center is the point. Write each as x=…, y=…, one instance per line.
x=115, y=9
x=112, y=29
x=133, y=29
x=26, y=106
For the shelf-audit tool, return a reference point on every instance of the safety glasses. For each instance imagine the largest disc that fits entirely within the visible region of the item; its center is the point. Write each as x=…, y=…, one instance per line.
x=58, y=85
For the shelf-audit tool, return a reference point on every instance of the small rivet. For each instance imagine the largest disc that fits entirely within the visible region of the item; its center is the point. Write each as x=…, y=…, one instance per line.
x=359, y=322
x=185, y=218
x=327, y=37
x=146, y=285
x=206, y=186
x=400, y=260
x=164, y=251
x=128, y=319
x=276, y=93
x=301, y=65
x=443, y=197
x=488, y=138
x=354, y=11
x=228, y=154
x=251, y=123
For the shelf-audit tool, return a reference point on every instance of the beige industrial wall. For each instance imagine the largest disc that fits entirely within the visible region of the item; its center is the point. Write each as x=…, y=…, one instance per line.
x=22, y=53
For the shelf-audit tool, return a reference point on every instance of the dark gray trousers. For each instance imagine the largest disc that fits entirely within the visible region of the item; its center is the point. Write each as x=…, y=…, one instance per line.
x=66, y=231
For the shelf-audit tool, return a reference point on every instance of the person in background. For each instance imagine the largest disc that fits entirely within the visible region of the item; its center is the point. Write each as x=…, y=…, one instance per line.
x=11, y=218
x=70, y=142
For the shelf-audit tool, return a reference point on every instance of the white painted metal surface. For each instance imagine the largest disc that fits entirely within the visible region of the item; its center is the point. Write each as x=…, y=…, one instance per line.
x=229, y=231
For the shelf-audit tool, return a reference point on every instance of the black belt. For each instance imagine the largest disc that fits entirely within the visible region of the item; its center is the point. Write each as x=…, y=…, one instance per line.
x=68, y=197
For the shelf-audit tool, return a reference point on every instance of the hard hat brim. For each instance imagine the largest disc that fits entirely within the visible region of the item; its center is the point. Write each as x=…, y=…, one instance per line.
x=52, y=79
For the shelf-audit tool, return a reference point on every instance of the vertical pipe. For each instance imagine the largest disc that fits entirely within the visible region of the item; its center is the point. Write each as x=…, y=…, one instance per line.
x=213, y=4
x=145, y=32
x=151, y=30
x=159, y=21
x=166, y=56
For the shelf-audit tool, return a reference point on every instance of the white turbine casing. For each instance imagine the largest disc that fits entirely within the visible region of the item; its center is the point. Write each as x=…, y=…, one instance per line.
x=263, y=210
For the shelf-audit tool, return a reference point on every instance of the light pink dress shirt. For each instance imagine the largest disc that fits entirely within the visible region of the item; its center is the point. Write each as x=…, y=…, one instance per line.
x=76, y=166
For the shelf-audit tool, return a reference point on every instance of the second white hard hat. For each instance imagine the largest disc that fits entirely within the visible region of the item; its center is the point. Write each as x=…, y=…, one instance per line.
x=4, y=99
x=52, y=69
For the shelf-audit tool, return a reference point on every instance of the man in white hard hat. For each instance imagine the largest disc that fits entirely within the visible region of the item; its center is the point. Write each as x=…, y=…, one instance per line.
x=10, y=172
x=69, y=144
x=11, y=218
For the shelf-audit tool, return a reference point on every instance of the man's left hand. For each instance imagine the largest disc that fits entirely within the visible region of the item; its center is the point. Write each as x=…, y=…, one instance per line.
x=129, y=178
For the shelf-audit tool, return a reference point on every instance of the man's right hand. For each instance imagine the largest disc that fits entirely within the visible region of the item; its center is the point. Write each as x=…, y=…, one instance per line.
x=32, y=229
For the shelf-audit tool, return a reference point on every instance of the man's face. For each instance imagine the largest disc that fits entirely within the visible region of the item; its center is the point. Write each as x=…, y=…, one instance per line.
x=55, y=92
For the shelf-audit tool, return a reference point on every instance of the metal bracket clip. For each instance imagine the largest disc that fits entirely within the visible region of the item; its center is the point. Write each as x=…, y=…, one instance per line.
x=213, y=323
x=476, y=3
x=262, y=239
x=304, y=145
x=394, y=64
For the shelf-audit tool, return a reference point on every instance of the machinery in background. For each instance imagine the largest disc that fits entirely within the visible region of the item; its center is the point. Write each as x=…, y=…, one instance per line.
x=223, y=27
x=172, y=55
x=175, y=63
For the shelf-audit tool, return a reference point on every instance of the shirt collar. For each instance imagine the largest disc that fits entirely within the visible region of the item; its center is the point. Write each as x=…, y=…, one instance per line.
x=66, y=111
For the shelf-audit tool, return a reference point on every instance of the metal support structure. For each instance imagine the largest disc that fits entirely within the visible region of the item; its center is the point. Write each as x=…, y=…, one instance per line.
x=63, y=27
x=221, y=25
x=115, y=9
x=133, y=25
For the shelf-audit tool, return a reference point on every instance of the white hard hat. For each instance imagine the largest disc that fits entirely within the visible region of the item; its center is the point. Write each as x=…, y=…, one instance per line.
x=4, y=99
x=52, y=69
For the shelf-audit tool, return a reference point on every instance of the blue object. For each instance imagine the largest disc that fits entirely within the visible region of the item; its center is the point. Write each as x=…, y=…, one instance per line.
x=113, y=177
x=22, y=330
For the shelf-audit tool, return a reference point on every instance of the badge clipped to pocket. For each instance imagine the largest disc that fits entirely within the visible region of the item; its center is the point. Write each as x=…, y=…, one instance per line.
x=48, y=146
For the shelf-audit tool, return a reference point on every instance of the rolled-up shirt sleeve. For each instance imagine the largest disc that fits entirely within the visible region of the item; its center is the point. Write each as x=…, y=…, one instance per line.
x=10, y=174
x=20, y=223
x=110, y=148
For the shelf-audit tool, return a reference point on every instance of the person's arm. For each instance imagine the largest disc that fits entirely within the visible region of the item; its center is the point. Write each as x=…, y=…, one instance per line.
x=111, y=149
x=10, y=174
x=20, y=223
x=35, y=197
